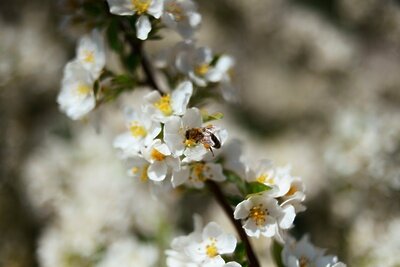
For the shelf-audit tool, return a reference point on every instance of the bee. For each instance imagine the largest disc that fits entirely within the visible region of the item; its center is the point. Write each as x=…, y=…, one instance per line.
x=205, y=136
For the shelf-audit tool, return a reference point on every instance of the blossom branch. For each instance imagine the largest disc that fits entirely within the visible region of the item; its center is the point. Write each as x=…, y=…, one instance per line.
x=219, y=196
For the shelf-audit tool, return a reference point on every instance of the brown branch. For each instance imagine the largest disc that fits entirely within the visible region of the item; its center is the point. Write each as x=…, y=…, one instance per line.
x=219, y=196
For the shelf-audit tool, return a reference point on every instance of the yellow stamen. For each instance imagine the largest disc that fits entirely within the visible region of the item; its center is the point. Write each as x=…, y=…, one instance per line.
x=140, y=6
x=137, y=130
x=143, y=175
x=198, y=170
x=265, y=179
x=89, y=56
x=258, y=214
x=157, y=155
x=134, y=170
x=83, y=89
x=202, y=69
x=190, y=143
x=211, y=249
x=164, y=105
x=303, y=262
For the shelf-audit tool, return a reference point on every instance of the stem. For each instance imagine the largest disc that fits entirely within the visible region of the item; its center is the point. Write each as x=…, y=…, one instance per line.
x=219, y=196
x=137, y=47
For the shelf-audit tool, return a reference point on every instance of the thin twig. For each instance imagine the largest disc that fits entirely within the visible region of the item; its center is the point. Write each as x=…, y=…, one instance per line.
x=219, y=196
x=136, y=46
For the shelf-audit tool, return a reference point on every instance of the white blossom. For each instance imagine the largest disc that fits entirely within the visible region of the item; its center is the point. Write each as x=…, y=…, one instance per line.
x=162, y=108
x=196, y=173
x=76, y=97
x=181, y=16
x=161, y=160
x=91, y=53
x=175, y=136
x=303, y=253
x=142, y=8
x=141, y=132
x=263, y=216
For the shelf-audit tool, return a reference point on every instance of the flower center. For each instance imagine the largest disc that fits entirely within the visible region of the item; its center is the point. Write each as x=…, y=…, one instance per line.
x=265, y=179
x=258, y=214
x=303, y=262
x=202, y=69
x=190, y=143
x=141, y=6
x=89, y=56
x=157, y=155
x=211, y=248
x=164, y=105
x=176, y=10
x=137, y=130
x=83, y=89
x=143, y=173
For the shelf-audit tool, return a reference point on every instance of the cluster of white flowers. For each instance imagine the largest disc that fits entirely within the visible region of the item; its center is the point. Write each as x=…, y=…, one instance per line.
x=165, y=139
x=172, y=143
x=269, y=212
x=303, y=253
x=77, y=96
x=202, y=247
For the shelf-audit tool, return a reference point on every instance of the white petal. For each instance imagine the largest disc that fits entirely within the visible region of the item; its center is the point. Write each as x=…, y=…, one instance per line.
x=143, y=27
x=226, y=243
x=181, y=97
x=241, y=210
x=212, y=230
x=156, y=8
x=180, y=177
x=121, y=7
x=157, y=171
x=192, y=118
x=286, y=221
x=172, y=136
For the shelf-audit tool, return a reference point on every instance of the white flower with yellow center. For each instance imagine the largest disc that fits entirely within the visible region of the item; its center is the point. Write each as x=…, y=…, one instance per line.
x=141, y=131
x=263, y=216
x=182, y=16
x=186, y=136
x=161, y=160
x=305, y=254
x=214, y=243
x=162, y=108
x=91, y=53
x=197, y=63
x=295, y=195
x=266, y=173
x=76, y=97
x=142, y=8
x=196, y=173
x=138, y=168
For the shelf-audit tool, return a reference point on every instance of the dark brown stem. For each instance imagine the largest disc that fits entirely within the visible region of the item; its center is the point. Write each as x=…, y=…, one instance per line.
x=137, y=47
x=219, y=196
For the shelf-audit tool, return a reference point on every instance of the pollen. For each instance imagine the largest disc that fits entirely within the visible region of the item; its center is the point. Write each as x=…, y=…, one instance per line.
x=89, y=56
x=211, y=249
x=83, y=89
x=157, y=155
x=164, y=105
x=265, y=179
x=258, y=214
x=190, y=143
x=202, y=69
x=134, y=170
x=137, y=130
x=198, y=171
x=303, y=262
x=140, y=6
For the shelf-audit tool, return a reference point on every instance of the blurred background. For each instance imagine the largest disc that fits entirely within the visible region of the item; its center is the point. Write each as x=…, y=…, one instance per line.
x=320, y=90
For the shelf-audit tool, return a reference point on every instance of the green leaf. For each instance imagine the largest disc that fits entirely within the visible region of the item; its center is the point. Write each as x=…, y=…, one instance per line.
x=211, y=117
x=132, y=61
x=255, y=188
x=276, y=251
x=232, y=177
x=124, y=80
x=234, y=200
x=113, y=37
